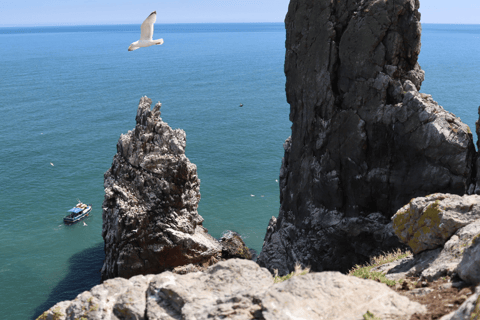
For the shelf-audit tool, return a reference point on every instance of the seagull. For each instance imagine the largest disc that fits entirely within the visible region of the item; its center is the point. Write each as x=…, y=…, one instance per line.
x=84, y=224
x=51, y=164
x=241, y=105
x=146, y=34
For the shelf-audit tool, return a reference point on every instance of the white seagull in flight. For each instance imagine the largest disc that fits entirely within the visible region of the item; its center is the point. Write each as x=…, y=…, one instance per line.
x=146, y=34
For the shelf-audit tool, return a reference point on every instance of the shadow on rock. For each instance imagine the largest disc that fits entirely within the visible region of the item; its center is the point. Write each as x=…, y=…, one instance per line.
x=83, y=273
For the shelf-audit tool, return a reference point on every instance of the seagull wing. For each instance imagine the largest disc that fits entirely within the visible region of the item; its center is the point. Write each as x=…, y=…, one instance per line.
x=147, y=27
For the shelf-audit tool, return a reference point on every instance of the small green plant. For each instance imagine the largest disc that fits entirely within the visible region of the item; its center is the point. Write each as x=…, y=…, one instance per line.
x=365, y=272
x=475, y=315
x=56, y=313
x=389, y=257
x=299, y=271
x=93, y=307
x=370, y=316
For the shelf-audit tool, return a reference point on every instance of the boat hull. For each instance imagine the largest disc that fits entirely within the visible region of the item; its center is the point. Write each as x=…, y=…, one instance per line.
x=71, y=220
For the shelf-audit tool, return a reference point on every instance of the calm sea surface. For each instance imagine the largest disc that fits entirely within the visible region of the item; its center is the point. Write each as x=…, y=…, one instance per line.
x=67, y=93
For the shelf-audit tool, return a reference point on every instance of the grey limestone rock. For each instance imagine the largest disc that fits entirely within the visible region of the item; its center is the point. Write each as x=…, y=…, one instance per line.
x=364, y=139
x=150, y=218
x=236, y=289
x=436, y=263
x=469, y=267
x=428, y=222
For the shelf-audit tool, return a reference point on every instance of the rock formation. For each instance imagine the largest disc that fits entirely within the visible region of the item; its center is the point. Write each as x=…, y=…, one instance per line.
x=234, y=247
x=440, y=229
x=364, y=140
x=150, y=218
x=236, y=289
x=477, y=130
x=428, y=222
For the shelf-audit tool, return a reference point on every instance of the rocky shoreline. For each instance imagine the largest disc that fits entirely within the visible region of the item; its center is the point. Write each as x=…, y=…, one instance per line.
x=372, y=165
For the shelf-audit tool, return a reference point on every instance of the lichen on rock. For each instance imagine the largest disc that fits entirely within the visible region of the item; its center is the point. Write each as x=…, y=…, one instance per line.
x=428, y=222
x=152, y=190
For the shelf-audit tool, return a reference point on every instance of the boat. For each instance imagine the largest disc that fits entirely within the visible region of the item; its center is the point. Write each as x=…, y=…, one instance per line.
x=78, y=212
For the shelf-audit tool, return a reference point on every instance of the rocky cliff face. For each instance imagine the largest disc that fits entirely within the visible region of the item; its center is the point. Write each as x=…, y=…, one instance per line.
x=150, y=218
x=364, y=140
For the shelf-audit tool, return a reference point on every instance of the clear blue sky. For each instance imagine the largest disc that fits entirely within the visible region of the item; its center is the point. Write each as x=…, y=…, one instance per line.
x=75, y=12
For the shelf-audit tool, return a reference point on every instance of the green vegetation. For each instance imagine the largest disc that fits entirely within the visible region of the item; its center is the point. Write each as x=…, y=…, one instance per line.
x=55, y=313
x=299, y=271
x=370, y=316
x=475, y=315
x=365, y=272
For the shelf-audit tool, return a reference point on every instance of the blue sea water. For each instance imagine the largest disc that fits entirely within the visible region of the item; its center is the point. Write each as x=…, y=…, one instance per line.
x=67, y=93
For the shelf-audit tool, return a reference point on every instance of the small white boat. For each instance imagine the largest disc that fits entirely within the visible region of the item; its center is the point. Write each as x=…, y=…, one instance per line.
x=78, y=212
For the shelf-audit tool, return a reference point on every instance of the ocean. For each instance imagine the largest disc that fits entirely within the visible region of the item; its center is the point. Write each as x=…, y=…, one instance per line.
x=67, y=93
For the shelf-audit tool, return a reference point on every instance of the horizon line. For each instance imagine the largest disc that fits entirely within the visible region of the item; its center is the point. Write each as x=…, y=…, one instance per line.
x=172, y=23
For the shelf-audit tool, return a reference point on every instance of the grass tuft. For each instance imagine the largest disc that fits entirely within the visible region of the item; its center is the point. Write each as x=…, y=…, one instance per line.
x=370, y=316
x=298, y=271
x=365, y=272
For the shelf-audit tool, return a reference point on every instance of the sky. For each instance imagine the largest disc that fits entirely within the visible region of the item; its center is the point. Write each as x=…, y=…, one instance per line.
x=99, y=12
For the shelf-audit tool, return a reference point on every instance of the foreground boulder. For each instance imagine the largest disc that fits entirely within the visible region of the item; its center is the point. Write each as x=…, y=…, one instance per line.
x=442, y=230
x=236, y=289
x=364, y=139
x=443, y=261
x=428, y=222
x=150, y=218
x=469, y=268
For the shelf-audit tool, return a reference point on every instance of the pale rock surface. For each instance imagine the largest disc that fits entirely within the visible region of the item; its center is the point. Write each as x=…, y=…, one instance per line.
x=236, y=289
x=433, y=264
x=428, y=222
x=364, y=139
x=469, y=267
x=150, y=218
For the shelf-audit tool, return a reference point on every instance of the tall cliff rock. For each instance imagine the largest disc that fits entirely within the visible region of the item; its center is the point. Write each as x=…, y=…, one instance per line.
x=150, y=218
x=364, y=140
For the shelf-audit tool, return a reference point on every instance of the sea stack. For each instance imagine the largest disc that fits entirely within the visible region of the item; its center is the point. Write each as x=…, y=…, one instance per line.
x=364, y=139
x=150, y=218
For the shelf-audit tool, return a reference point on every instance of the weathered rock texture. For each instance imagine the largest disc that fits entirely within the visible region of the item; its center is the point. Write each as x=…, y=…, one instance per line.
x=469, y=268
x=234, y=247
x=444, y=261
x=477, y=130
x=428, y=222
x=236, y=289
x=364, y=140
x=442, y=231
x=150, y=218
